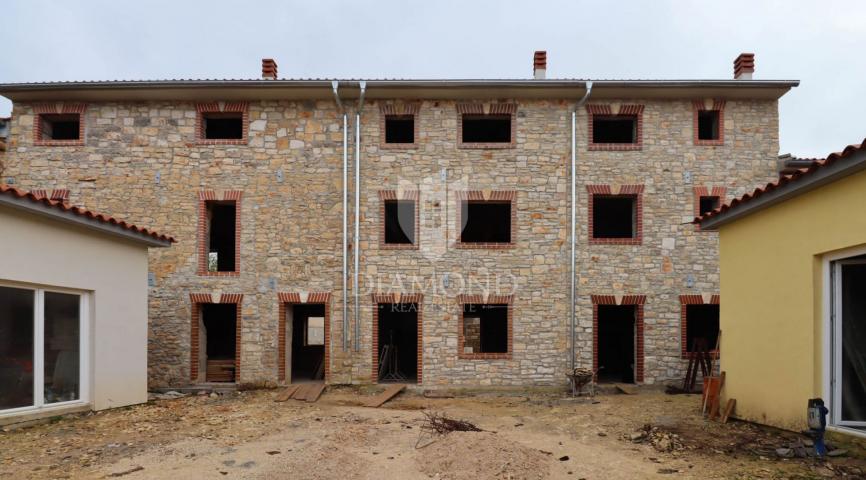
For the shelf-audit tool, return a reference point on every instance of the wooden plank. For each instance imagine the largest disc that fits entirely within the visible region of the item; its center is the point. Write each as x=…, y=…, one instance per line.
x=729, y=409
x=315, y=391
x=301, y=392
x=388, y=394
x=286, y=393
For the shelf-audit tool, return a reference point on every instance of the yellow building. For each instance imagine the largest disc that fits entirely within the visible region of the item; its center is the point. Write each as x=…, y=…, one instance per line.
x=793, y=280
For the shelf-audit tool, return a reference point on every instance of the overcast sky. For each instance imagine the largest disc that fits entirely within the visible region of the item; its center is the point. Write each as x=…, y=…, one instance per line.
x=820, y=43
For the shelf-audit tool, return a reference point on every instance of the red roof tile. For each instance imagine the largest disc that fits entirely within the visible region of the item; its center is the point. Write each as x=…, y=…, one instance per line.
x=784, y=181
x=82, y=212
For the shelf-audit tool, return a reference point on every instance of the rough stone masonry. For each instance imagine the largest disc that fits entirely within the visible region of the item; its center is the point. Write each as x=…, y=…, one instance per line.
x=141, y=158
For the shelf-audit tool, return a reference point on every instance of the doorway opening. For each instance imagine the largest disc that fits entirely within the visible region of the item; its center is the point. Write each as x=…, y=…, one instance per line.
x=848, y=376
x=306, y=327
x=397, y=336
x=219, y=338
x=616, y=345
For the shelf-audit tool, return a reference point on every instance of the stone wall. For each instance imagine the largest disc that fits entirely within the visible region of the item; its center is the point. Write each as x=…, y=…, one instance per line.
x=140, y=163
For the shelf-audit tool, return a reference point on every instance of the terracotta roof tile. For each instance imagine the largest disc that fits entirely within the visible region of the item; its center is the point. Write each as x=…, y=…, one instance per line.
x=783, y=181
x=82, y=212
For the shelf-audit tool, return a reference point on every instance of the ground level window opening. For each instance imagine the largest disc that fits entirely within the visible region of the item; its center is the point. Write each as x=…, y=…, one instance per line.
x=702, y=327
x=485, y=328
x=848, y=345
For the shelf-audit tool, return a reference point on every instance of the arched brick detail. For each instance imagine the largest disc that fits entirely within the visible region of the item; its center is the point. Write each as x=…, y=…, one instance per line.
x=638, y=301
x=59, y=108
x=607, y=110
x=294, y=298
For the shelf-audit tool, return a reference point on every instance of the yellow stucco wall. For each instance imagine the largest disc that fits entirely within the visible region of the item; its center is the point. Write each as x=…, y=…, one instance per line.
x=771, y=290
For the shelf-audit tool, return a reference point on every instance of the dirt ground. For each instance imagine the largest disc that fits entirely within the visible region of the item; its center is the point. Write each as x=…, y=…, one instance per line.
x=531, y=436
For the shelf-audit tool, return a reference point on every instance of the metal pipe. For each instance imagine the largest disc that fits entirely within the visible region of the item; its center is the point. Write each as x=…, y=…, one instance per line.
x=573, y=269
x=335, y=85
x=357, y=242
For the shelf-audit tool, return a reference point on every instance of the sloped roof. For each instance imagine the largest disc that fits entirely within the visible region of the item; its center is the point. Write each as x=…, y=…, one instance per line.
x=821, y=172
x=37, y=203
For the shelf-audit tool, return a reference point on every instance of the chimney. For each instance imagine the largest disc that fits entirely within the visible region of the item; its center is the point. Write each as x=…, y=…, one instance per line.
x=744, y=66
x=539, y=65
x=269, y=69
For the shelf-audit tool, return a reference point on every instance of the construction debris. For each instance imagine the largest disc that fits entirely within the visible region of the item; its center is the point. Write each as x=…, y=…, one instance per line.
x=661, y=440
x=438, y=423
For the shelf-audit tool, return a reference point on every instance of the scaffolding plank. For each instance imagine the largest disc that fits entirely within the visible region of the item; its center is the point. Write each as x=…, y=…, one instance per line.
x=286, y=393
x=315, y=392
x=388, y=394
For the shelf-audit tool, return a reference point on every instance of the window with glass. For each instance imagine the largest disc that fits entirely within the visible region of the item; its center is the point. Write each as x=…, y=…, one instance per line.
x=40, y=347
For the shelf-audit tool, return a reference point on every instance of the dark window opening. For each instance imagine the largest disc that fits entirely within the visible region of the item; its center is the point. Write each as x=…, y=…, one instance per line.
x=398, y=342
x=219, y=332
x=616, y=343
x=485, y=328
x=702, y=326
x=708, y=203
x=307, y=327
x=223, y=126
x=486, y=129
x=485, y=222
x=399, y=129
x=614, y=129
x=222, y=245
x=61, y=127
x=708, y=124
x=614, y=216
x=400, y=222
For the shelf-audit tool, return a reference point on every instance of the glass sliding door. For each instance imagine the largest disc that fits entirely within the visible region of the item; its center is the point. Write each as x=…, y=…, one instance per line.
x=849, y=344
x=41, y=344
x=62, y=335
x=17, y=347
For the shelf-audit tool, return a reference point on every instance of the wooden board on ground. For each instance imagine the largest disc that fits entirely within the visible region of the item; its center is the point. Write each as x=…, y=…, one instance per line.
x=626, y=389
x=383, y=397
x=315, y=391
x=286, y=393
x=302, y=392
x=729, y=409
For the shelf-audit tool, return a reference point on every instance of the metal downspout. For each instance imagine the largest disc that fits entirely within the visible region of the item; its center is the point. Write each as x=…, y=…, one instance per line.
x=573, y=269
x=335, y=85
x=356, y=244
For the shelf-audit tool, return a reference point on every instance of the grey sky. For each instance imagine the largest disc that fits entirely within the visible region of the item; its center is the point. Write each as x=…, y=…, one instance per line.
x=820, y=43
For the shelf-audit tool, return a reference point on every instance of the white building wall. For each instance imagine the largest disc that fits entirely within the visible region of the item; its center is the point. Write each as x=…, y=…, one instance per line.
x=46, y=252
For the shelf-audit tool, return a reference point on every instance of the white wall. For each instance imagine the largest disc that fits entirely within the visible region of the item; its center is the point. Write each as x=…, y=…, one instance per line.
x=50, y=253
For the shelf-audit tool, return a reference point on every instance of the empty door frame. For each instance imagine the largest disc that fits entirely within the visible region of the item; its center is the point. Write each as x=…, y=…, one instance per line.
x=197, y=299
x=287, y=299
x=638, y=301
x=415, y=298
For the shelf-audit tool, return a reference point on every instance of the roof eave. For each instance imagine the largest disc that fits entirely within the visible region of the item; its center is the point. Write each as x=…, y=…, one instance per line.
x=421, y=88
x=38, y=208
x=820, y=177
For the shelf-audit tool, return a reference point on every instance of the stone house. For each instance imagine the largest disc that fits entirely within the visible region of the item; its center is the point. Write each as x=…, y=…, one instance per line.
x=412, y=230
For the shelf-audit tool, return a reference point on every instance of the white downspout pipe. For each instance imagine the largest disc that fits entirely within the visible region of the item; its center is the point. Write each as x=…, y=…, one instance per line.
x=573, y=269
x=356, y=244
x=335, y=84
